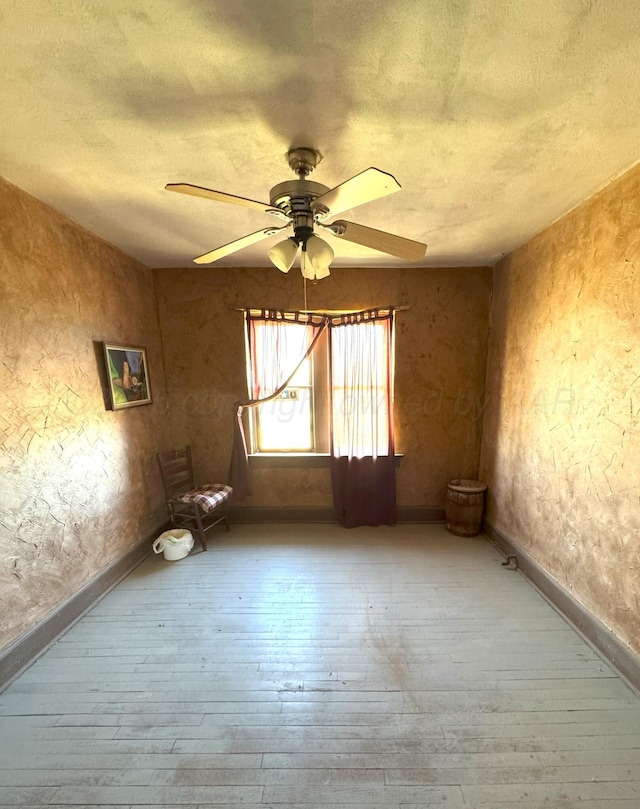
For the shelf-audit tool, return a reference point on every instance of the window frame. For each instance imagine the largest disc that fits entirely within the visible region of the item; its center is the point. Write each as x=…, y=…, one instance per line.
x=320, y=407
x=259, y=441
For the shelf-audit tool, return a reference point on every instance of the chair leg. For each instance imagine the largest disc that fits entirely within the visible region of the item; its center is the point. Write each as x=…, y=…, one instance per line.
x=203, y=539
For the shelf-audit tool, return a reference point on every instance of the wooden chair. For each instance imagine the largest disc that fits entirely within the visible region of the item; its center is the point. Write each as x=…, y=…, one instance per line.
x=197, y=508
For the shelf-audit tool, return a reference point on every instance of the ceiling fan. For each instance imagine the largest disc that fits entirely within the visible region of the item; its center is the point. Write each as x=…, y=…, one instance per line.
x=304, y=205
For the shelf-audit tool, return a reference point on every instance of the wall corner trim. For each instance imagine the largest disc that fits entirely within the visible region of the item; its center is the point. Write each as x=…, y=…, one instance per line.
x=623, y=659
x=22, y=652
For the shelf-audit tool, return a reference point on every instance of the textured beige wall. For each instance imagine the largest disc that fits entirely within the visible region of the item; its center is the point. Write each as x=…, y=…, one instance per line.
x=441, y=349
x=78, y=484
x=561, y=443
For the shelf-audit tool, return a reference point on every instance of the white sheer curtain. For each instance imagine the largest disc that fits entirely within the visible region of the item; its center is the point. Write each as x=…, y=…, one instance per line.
x=276, y=349
x=278, y=343
x=361, y=395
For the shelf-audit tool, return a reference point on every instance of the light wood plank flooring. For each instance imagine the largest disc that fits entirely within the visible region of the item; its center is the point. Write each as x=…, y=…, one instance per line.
x=309, y=666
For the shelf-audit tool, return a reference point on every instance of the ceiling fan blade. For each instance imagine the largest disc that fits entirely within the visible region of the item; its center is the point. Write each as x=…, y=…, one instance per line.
x=238, y=244
x=378, y=240
x=370, y=184
x=219, y=196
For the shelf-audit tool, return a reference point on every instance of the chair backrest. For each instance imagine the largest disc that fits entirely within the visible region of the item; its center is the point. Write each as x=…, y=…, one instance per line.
x=177, y=471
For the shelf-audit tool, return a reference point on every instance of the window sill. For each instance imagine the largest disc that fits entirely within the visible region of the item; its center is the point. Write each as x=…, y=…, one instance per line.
x=299, y=460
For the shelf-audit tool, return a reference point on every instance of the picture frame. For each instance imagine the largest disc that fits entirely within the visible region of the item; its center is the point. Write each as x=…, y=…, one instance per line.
x=127, y=375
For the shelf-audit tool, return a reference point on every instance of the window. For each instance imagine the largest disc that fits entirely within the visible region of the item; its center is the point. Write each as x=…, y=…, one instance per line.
x=285, y=424
x=319, y=377
x=295, y=419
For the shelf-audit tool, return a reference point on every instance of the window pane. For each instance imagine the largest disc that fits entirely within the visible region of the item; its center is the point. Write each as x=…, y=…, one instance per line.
x=285, y=423
x=277, y=348
x=301, y=376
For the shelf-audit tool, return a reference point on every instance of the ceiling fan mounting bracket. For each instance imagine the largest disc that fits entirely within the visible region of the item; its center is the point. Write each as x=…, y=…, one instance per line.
x=303, y=160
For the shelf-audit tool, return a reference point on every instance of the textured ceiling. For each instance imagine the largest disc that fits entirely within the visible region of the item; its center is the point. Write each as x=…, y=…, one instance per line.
x=496, y=116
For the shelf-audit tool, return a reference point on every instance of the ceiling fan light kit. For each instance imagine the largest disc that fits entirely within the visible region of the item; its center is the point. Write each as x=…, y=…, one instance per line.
x=283, y=254
x=303, y=204
x=316, y=258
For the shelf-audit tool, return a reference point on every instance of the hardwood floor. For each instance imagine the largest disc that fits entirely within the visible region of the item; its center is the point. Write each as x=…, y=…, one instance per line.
x=309, y=666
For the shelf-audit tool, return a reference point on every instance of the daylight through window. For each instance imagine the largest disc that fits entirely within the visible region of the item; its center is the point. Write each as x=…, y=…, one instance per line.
x=340, y=388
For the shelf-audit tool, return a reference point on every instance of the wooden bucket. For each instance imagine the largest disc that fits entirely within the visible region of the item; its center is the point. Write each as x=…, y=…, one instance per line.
x=465, y=507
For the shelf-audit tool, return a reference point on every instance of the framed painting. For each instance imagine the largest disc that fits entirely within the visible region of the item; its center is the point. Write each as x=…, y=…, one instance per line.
x=128, y=375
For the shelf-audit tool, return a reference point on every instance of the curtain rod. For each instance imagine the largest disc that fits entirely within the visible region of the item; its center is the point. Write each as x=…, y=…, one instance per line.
x=321, y=311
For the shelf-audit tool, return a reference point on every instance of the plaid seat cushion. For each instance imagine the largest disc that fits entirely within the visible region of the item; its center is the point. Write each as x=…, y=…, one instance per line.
x=208, y=497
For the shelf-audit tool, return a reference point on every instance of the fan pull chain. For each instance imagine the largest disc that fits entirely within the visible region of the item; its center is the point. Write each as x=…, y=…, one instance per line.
x=304, y=284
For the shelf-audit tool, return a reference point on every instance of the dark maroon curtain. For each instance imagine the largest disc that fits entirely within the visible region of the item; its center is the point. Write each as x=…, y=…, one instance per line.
x=364, y=490
x=363, y=452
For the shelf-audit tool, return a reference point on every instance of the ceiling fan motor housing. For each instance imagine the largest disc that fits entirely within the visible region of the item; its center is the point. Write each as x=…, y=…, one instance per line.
x=294, y=198
x=282, y=195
